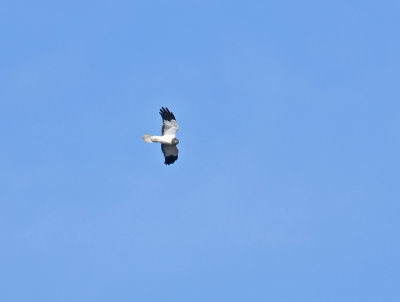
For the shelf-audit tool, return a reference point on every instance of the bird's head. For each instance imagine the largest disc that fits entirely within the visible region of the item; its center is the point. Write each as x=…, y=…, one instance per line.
x=175, y=141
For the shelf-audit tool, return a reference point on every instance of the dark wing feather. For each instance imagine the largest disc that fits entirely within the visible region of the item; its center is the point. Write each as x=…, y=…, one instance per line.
x=166, y=114
x=170, y=153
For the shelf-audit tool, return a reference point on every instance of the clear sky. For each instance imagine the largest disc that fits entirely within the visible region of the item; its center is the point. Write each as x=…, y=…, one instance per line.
x=287, y=183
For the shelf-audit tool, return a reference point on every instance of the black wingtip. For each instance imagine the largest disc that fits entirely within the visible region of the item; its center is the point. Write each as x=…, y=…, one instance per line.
x=166, y=114
x=170, y=160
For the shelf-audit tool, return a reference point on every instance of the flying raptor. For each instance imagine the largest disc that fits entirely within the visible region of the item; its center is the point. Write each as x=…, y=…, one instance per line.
x=167, y=139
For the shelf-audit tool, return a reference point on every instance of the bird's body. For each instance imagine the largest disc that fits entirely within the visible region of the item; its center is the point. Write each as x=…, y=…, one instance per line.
x=167, y=139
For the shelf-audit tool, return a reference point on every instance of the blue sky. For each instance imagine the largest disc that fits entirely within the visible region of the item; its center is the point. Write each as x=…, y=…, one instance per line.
x=287, y=184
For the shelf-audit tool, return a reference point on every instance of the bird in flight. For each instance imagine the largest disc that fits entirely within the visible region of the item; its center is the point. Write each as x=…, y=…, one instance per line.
x=167, y=139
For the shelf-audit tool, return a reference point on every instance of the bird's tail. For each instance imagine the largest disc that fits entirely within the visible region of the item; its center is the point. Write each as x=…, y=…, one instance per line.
x=147, y=138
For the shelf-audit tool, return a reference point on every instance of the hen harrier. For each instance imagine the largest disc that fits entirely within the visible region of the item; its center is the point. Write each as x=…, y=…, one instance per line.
x=167, y=139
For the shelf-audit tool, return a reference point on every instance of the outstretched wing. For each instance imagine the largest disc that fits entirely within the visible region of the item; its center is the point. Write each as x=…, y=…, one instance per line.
x=170, y=153
x=170, y=126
